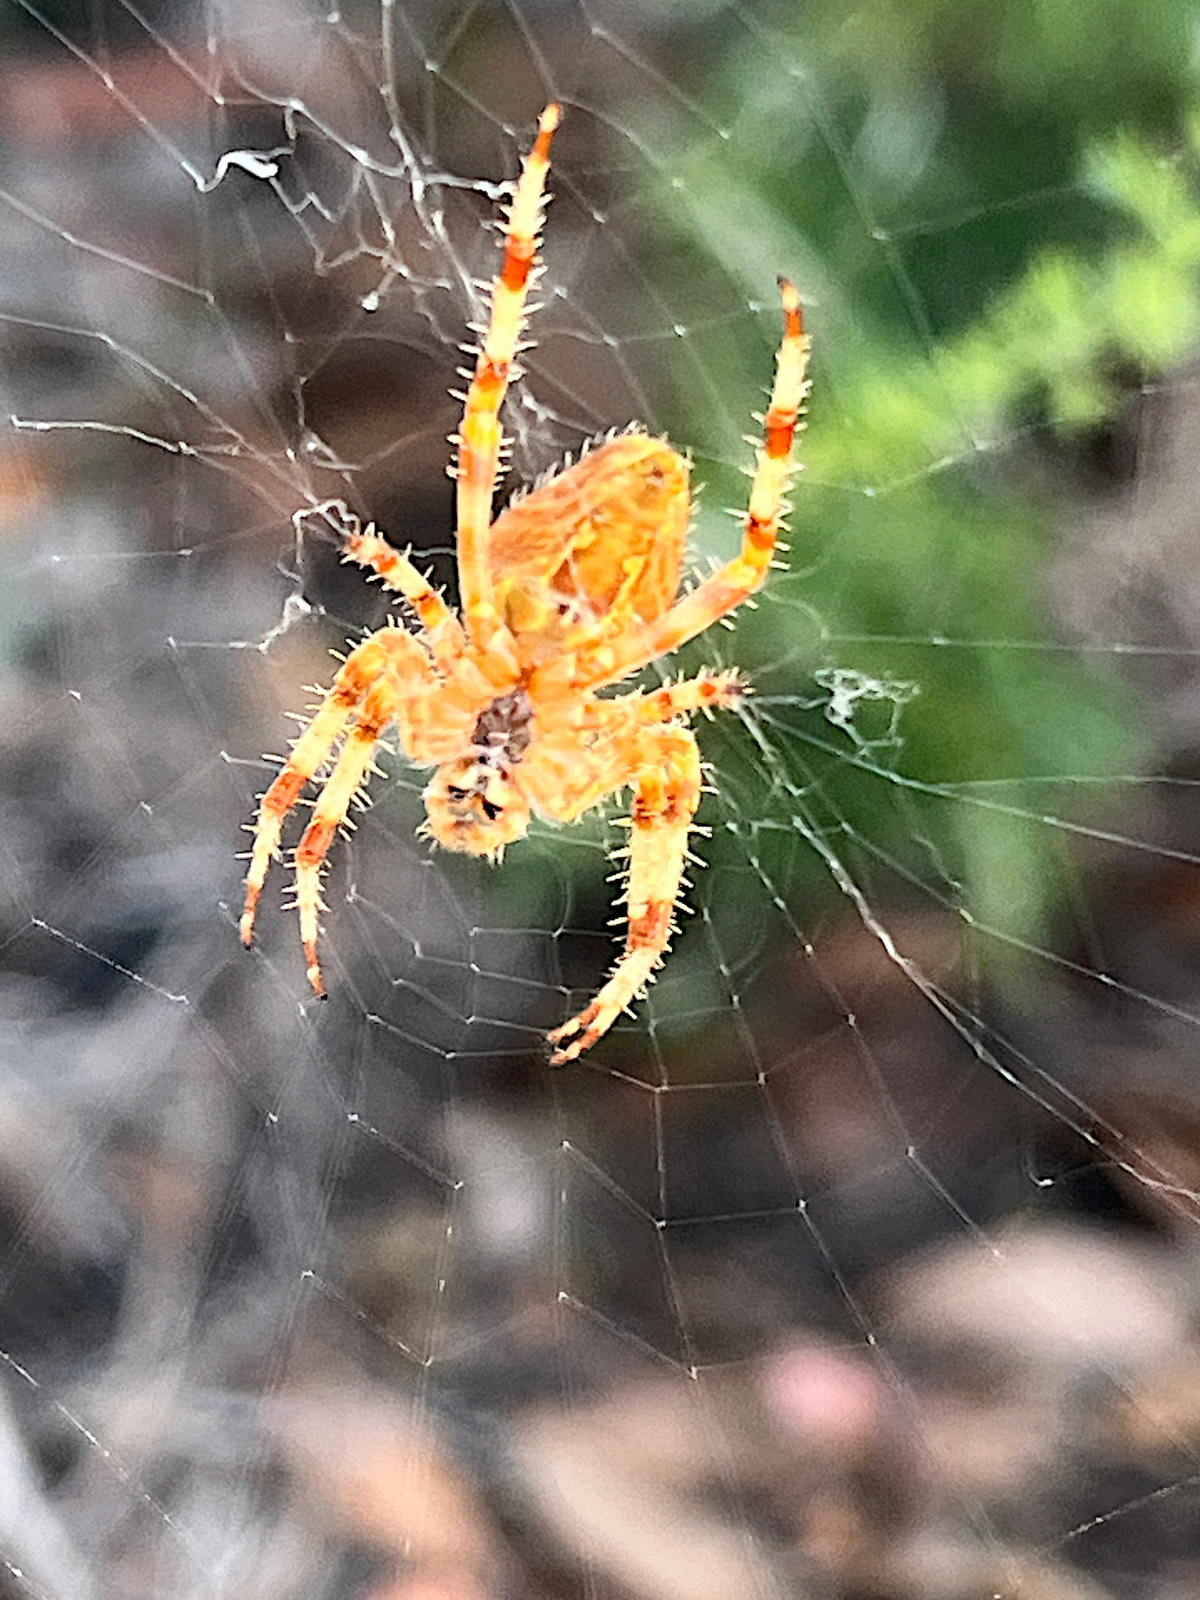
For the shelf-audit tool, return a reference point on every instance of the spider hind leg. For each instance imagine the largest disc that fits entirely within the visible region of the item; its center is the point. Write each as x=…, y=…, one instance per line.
x=666, y=794
x=613, y=659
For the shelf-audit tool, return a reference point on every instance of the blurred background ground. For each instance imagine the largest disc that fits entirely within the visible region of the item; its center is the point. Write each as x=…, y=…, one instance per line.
x=861, y=1261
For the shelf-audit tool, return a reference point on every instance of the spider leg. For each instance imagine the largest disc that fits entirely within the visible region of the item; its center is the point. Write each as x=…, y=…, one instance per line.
x=389, y=657
x=609, y=661
x=480, y=435
x=705, y=692
x=564, y=778
x=666, y=794
x=442, y=629
x=349, y=773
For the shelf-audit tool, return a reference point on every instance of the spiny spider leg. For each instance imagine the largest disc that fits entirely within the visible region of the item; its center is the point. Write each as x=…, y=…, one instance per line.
x=390, y=664
x=666, y=794
x=611, y=661
x=441, y=629
x=480, y=435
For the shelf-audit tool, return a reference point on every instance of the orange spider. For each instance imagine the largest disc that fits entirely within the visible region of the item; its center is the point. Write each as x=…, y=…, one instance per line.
x=570, y=589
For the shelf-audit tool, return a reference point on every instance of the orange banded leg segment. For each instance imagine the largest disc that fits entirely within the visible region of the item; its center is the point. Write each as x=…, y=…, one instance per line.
x=627, y=720
x=480, y=434
x=739, y=578
x=332, y=806
x=442, y=628
x=666, y=795
x=773, y=460
x=388, y=652
x=705, y=692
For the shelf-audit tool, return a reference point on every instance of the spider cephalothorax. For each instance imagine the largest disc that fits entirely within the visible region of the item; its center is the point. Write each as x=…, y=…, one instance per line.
x=574, y=587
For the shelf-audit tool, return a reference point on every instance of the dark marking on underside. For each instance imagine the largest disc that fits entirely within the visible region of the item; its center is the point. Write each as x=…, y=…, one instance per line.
x=504, y=729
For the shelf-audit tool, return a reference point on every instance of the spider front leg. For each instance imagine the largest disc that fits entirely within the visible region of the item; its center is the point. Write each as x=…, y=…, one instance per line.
x=480, y=436
x=610, y=660
x=666, y=794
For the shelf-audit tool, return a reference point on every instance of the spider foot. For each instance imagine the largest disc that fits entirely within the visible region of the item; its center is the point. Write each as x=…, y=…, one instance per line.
x=633, y=972
x=583, y=1026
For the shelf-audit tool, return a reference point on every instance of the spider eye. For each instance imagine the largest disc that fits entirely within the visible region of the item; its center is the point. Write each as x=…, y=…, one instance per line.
x=454, y=793
x=490, y=810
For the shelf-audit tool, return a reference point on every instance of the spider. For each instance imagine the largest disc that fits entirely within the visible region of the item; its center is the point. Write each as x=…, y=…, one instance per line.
x=572, y=588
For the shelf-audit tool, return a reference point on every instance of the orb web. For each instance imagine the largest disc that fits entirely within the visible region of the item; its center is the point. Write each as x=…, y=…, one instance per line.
x=855, y=1259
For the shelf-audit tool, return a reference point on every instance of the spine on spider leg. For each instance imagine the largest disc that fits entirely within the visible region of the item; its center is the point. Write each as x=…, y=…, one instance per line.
x=480, y=436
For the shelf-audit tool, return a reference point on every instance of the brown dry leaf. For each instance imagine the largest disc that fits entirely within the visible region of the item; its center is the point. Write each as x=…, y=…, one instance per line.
x=378, y=1471
x=23, y=486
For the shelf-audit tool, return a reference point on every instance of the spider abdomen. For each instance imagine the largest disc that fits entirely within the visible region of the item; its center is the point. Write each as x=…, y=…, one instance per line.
x=603, y=538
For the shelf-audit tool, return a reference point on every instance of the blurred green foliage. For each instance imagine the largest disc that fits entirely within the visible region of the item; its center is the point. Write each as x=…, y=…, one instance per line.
x=995, y=209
